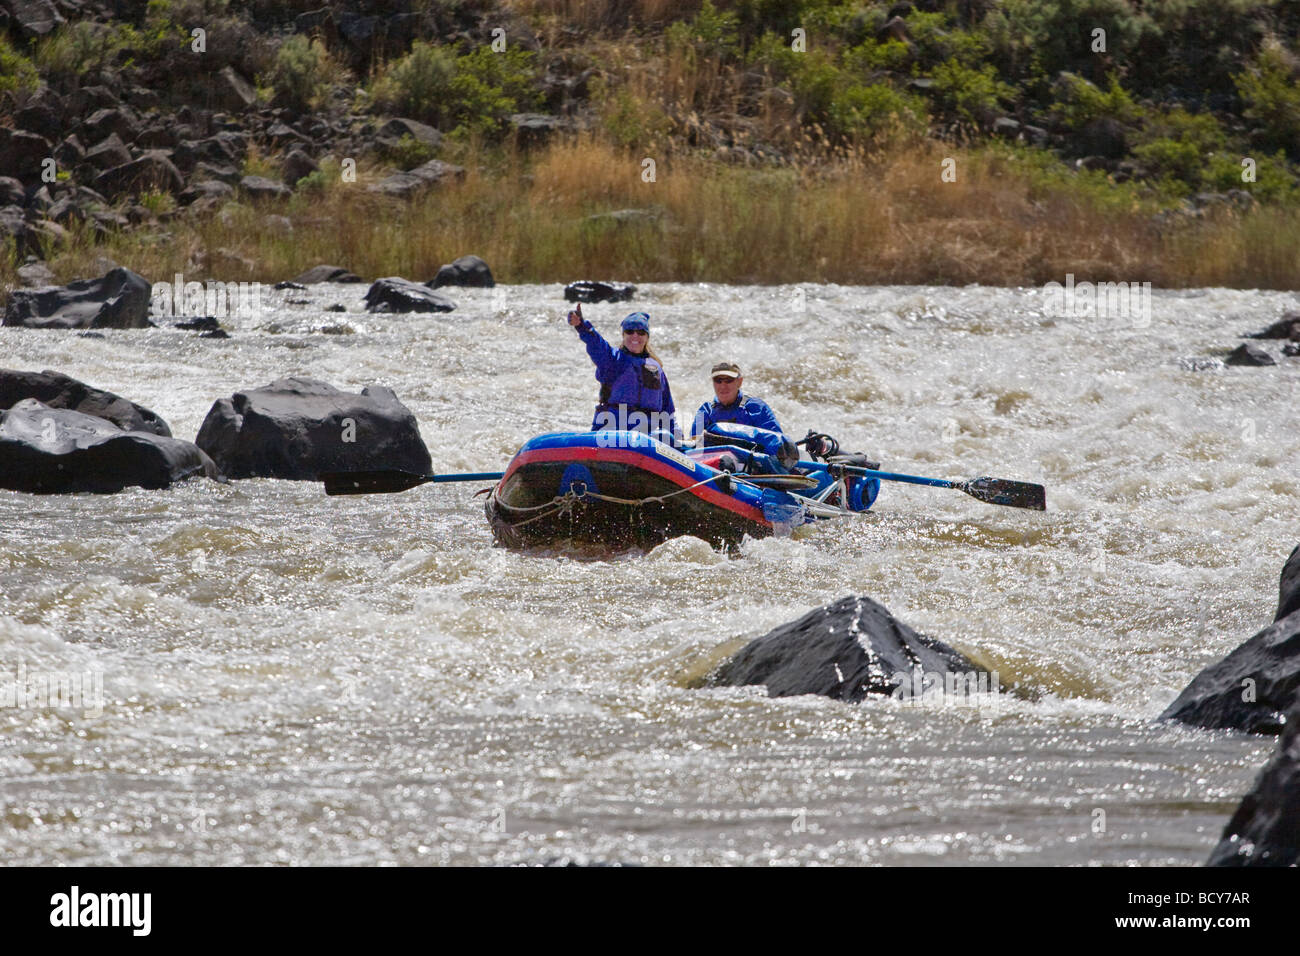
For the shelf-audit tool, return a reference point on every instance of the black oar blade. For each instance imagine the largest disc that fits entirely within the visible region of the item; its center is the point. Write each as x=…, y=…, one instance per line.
x=1004, y=491
x=370, y=482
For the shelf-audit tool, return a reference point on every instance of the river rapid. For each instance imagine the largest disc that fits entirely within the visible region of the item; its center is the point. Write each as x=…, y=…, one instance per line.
x=294, y=679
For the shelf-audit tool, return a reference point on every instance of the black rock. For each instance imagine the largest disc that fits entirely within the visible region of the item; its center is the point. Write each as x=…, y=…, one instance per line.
x=589, y=290
x=1245, y=354
x=297, y=165
x=536, y=129
x=408, y=184
x=118, y=119
x=846, y=651
x=326, y=274
x=394, y=130
x=202, y=323
x=465, y=271
x=24, y=152
x=261, y=188
x=1287, y=327
x=108, y=153
x=336, y=308
x=12, y=192
x=56, y=451
x=1288, y=586
x=395, y=294
x=120, y=300
x=56, y=390
x=153, y=170
x=1250, y=689
x=293, y=286
x=1104, y=136
x=1265, y=830
x=1291, y=349
x=34, y=18
x=298, y=428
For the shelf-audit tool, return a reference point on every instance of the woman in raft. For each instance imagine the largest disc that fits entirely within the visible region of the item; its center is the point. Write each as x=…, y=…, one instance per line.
x=634, y=392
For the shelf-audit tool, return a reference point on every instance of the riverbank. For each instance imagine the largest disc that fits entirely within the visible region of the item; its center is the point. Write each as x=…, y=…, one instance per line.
x=585, y=208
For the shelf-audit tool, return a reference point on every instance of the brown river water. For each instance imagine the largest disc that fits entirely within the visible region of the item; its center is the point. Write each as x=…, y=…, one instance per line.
x=289, y=678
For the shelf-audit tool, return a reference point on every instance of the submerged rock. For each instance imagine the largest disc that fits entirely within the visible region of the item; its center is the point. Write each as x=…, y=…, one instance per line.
x=1252, y=687
x=467, y=271
x=56, y=390
x=326, y=274
x=1249, y=355
x=1265, y=830
x=57, y=450
x=300, y=427
x=395, y=294
x=1287, y=327
x=120, y=300
x=590, y=290
x=848, y=650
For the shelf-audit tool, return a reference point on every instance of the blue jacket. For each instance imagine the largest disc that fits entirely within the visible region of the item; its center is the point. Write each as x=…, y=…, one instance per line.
x=628, y=384
x=745, y=410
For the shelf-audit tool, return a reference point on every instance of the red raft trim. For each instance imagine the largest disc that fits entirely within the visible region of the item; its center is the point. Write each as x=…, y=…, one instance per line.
x=646, y=461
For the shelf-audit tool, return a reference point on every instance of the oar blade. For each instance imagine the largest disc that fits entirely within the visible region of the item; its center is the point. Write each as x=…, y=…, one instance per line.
x=1004, y=491
x=370, y=482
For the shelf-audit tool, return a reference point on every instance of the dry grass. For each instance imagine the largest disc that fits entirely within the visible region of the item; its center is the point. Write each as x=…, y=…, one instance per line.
x=859, y=220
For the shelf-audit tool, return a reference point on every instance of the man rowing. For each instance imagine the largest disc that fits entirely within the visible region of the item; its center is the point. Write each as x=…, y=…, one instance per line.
x=731, y=405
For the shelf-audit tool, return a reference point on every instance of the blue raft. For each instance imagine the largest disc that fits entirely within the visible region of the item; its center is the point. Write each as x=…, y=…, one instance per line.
x=624, y=488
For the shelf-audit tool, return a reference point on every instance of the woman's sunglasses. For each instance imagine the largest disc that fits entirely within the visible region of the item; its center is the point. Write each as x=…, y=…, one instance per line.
x=635, y=332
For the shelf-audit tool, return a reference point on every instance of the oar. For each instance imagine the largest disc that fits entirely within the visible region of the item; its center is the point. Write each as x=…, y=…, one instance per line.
x=995, y=491
x=383, y=482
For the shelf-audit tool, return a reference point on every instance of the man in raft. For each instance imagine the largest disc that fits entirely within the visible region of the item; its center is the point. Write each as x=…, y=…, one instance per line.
x=634, y=392
x=730, y=405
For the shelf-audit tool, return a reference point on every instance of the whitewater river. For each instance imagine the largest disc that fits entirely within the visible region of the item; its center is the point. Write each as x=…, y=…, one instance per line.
x=289, y=678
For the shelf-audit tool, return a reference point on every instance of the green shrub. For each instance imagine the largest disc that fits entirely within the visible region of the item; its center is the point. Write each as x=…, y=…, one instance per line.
x=969, y=95
x=877, y=112
x=871, y=57
x=467, y=94
x=304, y=72
x=1080, y=102
x=1272, y=98
x=711, y=33
x=409, y=152
x=418, y=84
x=17, y=74
x=1171, y=158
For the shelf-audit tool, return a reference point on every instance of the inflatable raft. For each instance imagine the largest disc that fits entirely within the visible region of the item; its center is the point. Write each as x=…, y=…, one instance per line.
x=624, y=488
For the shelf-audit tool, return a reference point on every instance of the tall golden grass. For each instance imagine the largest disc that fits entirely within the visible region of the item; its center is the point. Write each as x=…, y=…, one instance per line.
x=857, y=220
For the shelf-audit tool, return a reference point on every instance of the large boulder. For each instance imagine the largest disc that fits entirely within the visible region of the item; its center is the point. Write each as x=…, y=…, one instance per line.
x=1265, y=830
x=466, y=271
x=590, y=290
x=299, y=427
x=848, y=650
x=1288, y=586
x=57, y=450
x=56, y=390
x=24, y=152
x=153, y=170
x=120, y=300
x=1252, y=687
x=33, y=18
x=395, y=294
x=394, y=131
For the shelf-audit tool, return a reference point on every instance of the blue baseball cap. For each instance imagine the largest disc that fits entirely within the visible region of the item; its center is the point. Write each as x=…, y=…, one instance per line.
x=637, y=320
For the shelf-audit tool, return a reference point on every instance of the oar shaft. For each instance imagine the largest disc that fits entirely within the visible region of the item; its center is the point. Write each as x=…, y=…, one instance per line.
x=476, y=476
x=885, y=475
